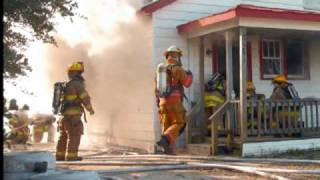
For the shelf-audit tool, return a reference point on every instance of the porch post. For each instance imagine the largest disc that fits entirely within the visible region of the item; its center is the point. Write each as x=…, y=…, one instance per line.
x=229, y=83
x=203, y=123
x=243, y=82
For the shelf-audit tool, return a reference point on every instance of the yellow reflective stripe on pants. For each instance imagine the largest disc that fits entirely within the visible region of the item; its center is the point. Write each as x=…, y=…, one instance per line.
x=214, y=98
x=72, y=155
x=60, y=153
x=210, y=104
x=73, y=111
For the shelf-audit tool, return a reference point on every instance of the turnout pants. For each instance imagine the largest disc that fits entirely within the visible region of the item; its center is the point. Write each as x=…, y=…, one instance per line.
x=172, y=119
x=71, y=129
x=38, y=132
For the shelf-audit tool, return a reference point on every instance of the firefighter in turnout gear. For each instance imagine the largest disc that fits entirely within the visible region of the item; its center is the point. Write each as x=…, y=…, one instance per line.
x=43, y=123
x=252, y=111
x=18, y=123
x=13, y=105
x=251, y=90
x=214, y=97
x=170, y=83
x=70, y=126
x=284, y=90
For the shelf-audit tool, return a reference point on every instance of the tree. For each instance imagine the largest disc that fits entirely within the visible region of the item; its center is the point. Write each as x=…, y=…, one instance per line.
x=25, y=21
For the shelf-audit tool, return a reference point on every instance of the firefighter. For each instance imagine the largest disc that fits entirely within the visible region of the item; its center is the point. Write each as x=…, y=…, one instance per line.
x=43, y=123
x=251, y=90
x=214, y=97
x=18, y=123
x=25, y=107
x=284, y=90
x=173, y=78
x=252, y=111
x=5, y=109
x=13, y=105
x=70, y=126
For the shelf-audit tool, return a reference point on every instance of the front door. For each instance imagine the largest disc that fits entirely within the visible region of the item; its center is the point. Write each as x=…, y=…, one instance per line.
x=219, y=63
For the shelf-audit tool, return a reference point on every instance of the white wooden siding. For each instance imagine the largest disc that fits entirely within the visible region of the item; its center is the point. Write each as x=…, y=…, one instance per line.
x=285, y=4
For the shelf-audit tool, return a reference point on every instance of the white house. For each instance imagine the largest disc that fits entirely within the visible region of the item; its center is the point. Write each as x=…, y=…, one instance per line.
x=247, y=40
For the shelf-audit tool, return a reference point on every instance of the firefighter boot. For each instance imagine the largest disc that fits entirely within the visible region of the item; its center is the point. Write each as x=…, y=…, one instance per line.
x=164, y=143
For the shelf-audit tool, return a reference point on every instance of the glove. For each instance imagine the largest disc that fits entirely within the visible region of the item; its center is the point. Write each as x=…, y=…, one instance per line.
x=189, y=72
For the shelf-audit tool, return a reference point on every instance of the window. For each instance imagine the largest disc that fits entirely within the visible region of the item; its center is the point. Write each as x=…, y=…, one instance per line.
x=283, y=57
x=271, y=58
x=295, y=58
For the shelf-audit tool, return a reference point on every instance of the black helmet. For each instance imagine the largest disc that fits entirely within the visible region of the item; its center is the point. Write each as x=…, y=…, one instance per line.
x=213, y=81
x=13, y=104
x=25, y=107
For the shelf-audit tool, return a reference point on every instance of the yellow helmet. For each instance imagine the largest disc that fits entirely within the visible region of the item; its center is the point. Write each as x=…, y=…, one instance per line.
x=76, y=66
x=173, y=48
x=280, y=79
x=250, y=86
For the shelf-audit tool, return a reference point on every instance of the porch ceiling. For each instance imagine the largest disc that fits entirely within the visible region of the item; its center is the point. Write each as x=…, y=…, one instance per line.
x=255, y=17
x=283, y=33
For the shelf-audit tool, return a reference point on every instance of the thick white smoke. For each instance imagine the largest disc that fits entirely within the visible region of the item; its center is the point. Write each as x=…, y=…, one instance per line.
x=115, y=46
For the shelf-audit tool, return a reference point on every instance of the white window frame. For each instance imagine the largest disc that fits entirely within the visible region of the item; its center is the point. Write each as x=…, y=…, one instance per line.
x=264, y=58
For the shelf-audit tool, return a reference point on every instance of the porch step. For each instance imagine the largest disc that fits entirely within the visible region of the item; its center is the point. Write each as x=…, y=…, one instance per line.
x=204, y=149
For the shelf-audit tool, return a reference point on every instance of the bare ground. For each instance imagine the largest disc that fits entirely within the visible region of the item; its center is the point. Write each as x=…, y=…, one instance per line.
x=115, y=155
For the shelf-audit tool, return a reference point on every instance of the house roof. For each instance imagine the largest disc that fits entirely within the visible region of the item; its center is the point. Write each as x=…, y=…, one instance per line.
x=250, y=11
x=154, y=6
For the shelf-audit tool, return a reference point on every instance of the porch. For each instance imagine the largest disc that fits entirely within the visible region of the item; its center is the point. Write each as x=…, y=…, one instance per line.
x=238, y=120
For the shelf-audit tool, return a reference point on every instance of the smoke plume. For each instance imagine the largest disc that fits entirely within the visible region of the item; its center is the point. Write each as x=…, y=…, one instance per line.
x=115, y=46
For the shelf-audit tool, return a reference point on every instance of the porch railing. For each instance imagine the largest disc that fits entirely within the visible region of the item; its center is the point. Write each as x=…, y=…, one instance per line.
x=191, y=121
x=278, y=118
x=265, y=118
